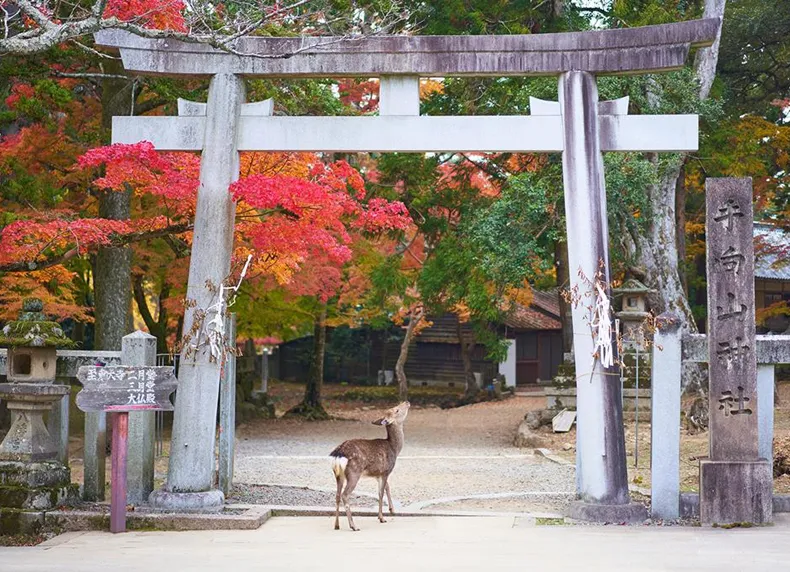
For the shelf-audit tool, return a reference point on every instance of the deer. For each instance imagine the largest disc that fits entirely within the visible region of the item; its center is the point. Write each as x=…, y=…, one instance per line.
x=371, y=458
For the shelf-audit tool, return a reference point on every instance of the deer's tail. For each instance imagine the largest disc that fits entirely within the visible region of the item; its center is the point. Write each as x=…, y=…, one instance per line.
x=339, y=462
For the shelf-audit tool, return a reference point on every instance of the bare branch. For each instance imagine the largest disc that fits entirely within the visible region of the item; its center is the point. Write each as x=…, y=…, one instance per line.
x=35, y=14
x=93, y=51
x=51, y=33
x=87, y=75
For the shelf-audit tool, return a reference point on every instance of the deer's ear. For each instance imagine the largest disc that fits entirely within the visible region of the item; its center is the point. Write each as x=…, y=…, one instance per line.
x=382, y=421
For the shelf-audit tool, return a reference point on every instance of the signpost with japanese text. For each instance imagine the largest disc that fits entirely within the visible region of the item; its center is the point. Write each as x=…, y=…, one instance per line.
x=119, y=390
x=126, y=388
x=735, y=484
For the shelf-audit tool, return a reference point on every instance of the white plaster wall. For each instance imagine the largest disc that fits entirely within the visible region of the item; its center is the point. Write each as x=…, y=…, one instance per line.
x=508, y=367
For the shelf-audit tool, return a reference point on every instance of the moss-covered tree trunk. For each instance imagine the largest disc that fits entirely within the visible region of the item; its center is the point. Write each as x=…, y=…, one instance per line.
x=658, y=249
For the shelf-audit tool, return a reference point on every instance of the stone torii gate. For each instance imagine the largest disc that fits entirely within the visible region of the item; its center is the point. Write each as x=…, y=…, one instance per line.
x=579, y=126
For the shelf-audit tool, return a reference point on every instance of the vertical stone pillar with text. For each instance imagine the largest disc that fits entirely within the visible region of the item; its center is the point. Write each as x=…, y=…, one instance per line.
x=735, y=484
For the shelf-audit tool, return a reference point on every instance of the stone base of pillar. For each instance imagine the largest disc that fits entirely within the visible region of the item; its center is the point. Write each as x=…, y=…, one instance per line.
x=733, y=492
x=204, y=501
x=40, y=485
x=631, y=513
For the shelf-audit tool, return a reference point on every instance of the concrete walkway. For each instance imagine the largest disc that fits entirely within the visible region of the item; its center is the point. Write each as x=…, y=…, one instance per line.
x=405, y=544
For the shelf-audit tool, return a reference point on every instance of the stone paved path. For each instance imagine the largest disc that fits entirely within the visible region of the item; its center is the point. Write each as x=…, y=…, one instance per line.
x=422, y=543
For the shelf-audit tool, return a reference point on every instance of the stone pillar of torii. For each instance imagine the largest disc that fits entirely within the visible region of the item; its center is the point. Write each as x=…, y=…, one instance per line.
x=579, y=126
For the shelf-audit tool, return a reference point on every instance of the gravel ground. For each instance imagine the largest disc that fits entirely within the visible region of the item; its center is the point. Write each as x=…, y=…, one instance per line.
x=290, y=496
x=449, y=454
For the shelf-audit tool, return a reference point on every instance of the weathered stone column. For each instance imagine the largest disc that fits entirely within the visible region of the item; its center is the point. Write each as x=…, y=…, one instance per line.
x=735, y=484
x=139, y=349
x=665, y=426
x=766, y=387
x=227, y=412
x=602, y=478
x=58, y=426
x=192, y=463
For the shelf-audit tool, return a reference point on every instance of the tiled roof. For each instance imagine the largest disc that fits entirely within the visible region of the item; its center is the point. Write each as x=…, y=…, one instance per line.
x=770, y=262
x=542, y=314
x=533, y=318
x=547, y=300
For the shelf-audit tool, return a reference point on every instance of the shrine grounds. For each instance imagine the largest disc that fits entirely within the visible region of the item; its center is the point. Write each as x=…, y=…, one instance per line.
x=457, y=459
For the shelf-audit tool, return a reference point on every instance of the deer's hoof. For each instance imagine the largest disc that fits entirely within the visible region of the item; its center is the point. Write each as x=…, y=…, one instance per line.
x=355, y=529
x=337, y=527
x=382, y=520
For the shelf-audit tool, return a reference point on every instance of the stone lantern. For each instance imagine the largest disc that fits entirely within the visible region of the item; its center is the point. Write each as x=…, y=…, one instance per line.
x=31, y=477
x=634, y=310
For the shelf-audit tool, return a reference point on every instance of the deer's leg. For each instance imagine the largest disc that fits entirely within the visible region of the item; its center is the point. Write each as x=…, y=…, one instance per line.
x=389, y=496
x=337, y=500
x=382, y=485
x=351, y=482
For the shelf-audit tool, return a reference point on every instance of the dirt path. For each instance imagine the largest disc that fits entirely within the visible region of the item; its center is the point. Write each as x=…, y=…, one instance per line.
x=449, y=453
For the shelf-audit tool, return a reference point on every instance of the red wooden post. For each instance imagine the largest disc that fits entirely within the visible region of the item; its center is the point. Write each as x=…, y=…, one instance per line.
x=120, y=434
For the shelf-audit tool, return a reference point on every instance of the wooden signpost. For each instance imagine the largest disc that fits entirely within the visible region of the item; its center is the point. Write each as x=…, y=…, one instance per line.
x=119, y=390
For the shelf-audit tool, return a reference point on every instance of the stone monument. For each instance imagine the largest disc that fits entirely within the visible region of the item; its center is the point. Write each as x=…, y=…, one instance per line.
x=31, y=476
x=736, y=486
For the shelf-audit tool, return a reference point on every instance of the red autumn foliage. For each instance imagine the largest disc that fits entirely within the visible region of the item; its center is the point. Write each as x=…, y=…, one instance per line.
x=172, y=176
x=308, y=225
x=156, y=14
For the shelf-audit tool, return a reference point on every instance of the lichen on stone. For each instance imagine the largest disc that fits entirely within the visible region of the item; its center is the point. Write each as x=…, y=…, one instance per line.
x=32, y=329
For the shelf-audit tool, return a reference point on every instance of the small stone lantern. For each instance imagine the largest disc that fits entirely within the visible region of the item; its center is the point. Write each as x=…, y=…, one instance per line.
x=633, y=311
x=28, y=456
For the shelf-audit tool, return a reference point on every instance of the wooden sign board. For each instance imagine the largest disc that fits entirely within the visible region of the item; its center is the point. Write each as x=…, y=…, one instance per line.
x=126, y=388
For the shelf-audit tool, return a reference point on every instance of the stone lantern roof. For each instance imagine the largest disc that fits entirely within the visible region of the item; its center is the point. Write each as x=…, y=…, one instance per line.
x=32, y=329
x=632, y=286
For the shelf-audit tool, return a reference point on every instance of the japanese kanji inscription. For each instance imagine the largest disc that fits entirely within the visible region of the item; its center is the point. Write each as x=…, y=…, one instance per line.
x=125, y=388
x=731, y=325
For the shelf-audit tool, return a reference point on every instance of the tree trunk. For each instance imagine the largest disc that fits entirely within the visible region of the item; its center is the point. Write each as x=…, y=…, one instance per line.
x=311, y=406
x=680, y=212
x=472, y=387
x=112, y=273
x=111, y=280
x=158, y=327
x=415, y=317
x=656, y=250
x=557, y=8
x=315, y=379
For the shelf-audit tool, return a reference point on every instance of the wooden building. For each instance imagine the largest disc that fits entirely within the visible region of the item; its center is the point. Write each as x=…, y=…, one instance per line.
x=772, y=277
x=435, y=355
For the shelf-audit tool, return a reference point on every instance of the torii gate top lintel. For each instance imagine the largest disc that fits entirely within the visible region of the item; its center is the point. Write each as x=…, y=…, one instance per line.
x=603, y=52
